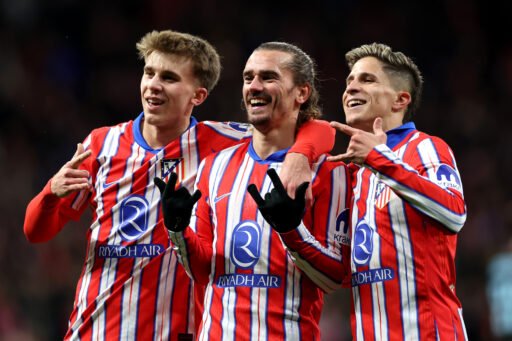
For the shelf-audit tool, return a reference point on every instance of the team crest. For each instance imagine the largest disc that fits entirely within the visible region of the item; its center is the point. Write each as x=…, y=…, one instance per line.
x=168, y=165
x=382, y=195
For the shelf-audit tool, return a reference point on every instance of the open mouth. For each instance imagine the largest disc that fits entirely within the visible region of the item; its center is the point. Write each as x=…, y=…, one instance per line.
x=355, y=102
x=259, y=101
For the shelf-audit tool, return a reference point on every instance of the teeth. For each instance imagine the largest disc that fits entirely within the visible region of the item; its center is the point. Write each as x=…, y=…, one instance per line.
x=257, y=101
x=354, y=102
x=154, y=101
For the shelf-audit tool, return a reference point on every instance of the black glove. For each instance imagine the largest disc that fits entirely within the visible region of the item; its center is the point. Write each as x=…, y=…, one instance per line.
x=176, y=204
x=279, y=210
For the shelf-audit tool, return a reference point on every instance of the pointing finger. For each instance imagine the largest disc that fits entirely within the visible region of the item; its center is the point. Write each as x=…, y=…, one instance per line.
x=348, y=130
x=77, y=160
x=340, y=157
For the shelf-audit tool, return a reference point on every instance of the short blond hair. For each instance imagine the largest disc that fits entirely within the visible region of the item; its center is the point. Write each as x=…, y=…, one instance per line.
x=204, y=57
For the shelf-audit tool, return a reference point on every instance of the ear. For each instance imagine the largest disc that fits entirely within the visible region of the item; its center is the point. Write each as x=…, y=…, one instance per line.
x=303, y=93
x=199, y=96
x=402, y=100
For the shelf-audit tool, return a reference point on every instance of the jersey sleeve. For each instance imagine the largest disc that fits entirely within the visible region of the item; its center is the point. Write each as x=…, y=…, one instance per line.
x=46, y=214
x=314, y=138
x=320, y=246
x=430, y=182
x=194, y=245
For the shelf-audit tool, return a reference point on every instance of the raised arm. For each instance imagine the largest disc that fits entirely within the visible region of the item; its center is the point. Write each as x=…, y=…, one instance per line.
x=432, y=184
x=46, y=214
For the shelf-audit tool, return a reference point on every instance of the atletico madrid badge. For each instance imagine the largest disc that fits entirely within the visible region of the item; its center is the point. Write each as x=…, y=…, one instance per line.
x=168, y=165
x=383, y=195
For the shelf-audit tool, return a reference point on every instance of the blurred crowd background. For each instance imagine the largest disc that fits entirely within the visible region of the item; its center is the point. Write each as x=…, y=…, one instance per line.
x=68, y=66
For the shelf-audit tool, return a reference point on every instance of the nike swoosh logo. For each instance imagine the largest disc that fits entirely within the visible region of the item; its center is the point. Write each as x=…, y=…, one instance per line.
x=220, y=197
x=106, y=185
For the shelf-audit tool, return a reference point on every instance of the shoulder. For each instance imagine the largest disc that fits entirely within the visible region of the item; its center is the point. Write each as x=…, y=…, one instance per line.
x=232, y=130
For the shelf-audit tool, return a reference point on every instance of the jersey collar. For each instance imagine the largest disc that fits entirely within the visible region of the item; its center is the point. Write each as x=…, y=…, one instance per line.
x=396, y=135
x=274, y=157
x=137, y=133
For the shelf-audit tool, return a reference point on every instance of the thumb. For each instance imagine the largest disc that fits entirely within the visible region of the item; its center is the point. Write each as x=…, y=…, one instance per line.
x=377, y=126
x=301, y=191
x=196, y=196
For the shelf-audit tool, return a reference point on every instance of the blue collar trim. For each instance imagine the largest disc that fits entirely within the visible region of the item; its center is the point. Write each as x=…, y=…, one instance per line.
x=274, y=157
x=137, y=133
x=396, y=135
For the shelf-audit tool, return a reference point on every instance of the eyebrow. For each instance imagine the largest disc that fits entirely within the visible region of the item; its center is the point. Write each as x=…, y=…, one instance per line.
x=165, y=73
x=263, y=73
x=360, y=75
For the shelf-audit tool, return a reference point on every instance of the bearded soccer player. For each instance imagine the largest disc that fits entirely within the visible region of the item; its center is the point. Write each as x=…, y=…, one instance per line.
x=130, y=287
x=265, y=274
x=407, y=209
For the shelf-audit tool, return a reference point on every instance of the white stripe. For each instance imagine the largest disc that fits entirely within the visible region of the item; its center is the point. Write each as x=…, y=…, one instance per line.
x=405, y=269
x=463, y=324
x=355, y=290
x=378, y=294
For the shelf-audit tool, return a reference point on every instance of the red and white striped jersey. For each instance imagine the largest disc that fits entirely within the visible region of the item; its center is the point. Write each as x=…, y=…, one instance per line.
x=130, y=287
x=407, y=207
x=261, y=285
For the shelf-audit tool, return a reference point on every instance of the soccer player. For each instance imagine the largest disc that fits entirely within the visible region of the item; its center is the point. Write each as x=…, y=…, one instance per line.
x=130, y=287
x=263, y=281
x=407, y=209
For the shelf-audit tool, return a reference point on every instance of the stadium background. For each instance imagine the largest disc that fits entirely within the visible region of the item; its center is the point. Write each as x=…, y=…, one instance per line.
x=67, y=66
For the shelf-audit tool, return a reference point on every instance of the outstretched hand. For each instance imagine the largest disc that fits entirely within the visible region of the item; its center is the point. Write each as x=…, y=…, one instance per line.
x=279, y=210
x=69, y=178
x=177, y=205
x=361, y=142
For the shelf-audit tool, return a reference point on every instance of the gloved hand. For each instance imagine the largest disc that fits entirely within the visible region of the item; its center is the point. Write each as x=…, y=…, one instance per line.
x=176, y=204
x=279, y=210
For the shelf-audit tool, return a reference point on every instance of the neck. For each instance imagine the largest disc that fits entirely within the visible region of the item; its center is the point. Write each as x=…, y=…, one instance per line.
x=160, y=136
x=267, y=142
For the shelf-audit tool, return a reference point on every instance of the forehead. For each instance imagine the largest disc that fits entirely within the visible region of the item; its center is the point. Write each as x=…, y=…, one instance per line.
x=166, y=61
x=368, y=65
x=267, y=60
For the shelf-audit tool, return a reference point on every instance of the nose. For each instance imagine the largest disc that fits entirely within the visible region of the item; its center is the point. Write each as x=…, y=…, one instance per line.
x=256, y=85
x=352, y=87
x=154, y=83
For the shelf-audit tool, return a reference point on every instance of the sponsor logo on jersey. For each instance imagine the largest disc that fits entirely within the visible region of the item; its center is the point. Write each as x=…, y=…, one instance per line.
x=245, y=245
x=133, y=223
x=168, y=165
x=447, y=177
x=249, y=280
x=220, y=197
x=134, y=212
x=245, y=253
x=341, y=234
x=372, y=276
x=129, y=251
x=362, y=243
